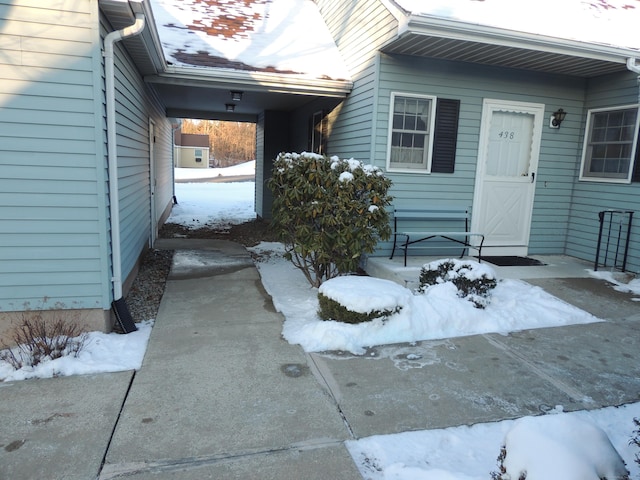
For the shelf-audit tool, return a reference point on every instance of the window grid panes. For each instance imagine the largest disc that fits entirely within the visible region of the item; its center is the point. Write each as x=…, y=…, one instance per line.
x=410, y=132
x=609, y=150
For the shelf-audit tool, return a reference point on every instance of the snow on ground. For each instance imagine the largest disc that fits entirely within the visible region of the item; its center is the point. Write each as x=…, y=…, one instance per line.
x=632, y=286
x=207, y=204
x=461, y=453
x=470, y=452
x=103, y=352
x=439, y=313
x=246, y=168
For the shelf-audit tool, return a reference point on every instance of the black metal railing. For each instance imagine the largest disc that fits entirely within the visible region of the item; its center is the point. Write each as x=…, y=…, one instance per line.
x=613, y=239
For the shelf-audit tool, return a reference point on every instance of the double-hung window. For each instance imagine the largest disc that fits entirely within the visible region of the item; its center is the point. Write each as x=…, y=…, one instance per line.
x=610, y=144
x=411, y=132
x=423, y=133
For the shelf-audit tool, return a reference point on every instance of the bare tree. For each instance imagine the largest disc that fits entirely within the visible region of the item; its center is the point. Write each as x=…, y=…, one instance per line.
x=231, y=142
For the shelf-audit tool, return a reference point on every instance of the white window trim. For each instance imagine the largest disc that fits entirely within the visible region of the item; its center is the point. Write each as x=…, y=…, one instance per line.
x=585, y=145
x=432, y=124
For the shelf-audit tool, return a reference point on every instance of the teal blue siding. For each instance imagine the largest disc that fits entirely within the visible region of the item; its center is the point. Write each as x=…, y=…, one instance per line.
x=591, y=197
x=471, y=84
x=351, y=24
x=54, y=217
x=135, y=106
x=51, y=217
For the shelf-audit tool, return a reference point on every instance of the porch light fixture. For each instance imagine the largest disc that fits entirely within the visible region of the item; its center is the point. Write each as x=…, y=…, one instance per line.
x=230, y=107
x=557, y=118
x=236, y=95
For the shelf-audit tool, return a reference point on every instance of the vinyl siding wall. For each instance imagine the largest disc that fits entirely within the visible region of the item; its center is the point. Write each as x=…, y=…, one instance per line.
x=136, y=105
x=589, y=198
x=54, y=219
x=471, y=84
x=52, y=195
x=352, y=26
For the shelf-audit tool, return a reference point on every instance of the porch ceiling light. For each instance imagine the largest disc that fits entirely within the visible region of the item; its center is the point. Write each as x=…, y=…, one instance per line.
x=230, y=107
x=557, y=118
x=236, y=95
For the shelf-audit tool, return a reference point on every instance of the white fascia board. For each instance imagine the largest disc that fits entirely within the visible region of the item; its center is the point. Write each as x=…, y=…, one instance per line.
x=252, y=81
x=457, y=30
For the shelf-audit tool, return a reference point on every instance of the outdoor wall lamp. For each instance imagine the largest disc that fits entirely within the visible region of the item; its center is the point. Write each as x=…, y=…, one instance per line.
x=236, y=95
x=557, y=118
x=230, y=107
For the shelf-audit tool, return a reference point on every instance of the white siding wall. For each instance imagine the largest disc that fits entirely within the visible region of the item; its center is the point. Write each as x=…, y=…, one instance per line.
x=52, y=196
x=591, y=197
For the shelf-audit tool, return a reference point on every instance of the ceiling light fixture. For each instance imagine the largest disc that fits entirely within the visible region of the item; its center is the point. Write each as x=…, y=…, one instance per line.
x=236, y=95
x=230, y=107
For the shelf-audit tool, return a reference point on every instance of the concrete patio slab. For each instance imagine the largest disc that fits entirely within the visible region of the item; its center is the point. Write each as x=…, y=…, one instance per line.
x=435, y=384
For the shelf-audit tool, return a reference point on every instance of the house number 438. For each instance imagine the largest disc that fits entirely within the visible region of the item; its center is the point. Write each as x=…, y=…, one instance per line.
x=507, y=135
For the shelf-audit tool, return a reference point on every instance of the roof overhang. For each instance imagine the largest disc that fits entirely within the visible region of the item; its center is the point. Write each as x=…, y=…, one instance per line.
x=435, y=37
x=203, y=92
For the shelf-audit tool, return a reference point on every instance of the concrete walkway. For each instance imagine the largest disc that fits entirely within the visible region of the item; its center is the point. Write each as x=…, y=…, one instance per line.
x=222, y=395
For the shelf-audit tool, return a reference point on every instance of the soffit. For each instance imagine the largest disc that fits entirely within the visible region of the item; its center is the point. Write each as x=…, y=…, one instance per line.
x=508, y=56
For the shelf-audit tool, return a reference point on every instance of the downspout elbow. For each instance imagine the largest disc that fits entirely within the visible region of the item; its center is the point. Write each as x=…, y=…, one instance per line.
x=632, y=65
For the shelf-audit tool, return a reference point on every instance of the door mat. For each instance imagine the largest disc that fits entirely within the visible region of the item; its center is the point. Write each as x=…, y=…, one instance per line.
x=513, y=261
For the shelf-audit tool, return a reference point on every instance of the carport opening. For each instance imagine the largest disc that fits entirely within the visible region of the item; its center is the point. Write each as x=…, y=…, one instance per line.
x=215, y=182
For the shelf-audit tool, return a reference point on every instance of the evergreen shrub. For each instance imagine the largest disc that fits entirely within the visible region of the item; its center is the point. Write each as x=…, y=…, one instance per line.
x=328, y=212
x=473, y=281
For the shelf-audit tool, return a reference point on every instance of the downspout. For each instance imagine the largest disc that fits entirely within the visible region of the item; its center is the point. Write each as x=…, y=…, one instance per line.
x=632, y=66
x=112, y=159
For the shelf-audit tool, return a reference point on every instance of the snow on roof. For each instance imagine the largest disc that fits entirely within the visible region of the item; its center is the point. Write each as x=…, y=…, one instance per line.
x=608, y=22
x=281, y=36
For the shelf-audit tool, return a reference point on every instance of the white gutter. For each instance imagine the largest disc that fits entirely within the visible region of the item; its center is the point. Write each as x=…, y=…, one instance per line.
x=114, y=203
x=459, y=30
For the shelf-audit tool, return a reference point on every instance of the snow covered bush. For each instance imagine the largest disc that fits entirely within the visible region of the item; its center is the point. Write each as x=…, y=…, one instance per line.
x=474, y=280
x=635, y=440
x=353, y=299
x=558, y=447
x=328, y=212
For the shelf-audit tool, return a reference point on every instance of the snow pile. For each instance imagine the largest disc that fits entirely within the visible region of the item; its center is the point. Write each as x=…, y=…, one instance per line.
x=561, y=447
x=633, y=286
x=470, y=452
x=366, y=294
x=438, y=313
x=102, y=352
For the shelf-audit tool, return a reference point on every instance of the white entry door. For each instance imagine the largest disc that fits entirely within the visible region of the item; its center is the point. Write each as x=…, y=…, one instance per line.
x=508, y=153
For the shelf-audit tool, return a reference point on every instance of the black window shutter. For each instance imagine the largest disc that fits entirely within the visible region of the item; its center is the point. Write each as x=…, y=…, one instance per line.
x=445, y=136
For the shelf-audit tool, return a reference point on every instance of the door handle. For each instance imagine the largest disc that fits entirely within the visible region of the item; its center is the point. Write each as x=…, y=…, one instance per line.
x=533, y=177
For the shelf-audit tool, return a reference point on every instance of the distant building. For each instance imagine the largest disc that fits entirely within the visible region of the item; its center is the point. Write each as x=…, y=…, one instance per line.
x=191, y=150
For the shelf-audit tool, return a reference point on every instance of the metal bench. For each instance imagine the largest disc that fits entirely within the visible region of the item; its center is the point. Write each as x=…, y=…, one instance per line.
x=440, y=214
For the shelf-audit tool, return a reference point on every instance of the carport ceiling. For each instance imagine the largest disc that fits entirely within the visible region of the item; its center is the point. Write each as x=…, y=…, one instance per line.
x=188, y=101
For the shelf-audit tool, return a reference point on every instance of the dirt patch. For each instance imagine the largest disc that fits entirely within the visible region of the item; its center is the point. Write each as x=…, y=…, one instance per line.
x=248, y=234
